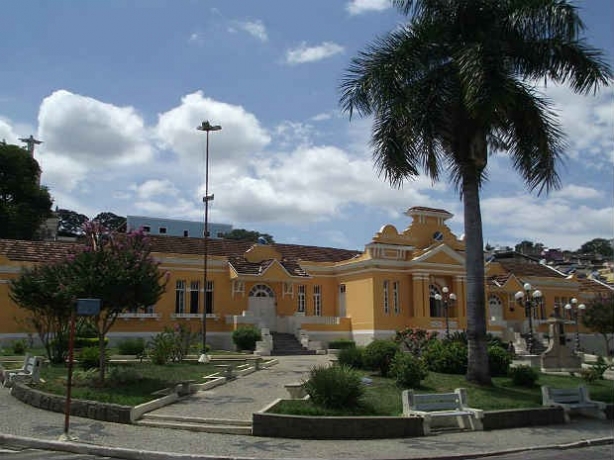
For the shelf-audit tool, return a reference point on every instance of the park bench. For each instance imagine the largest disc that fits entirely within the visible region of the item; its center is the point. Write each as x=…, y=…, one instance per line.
x=226, y=370
x=442, y=409
x=30, y=372
x=573, y=401
x=184, y=387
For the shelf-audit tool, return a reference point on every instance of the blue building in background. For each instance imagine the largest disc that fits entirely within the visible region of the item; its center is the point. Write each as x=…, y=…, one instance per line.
x=174, y=227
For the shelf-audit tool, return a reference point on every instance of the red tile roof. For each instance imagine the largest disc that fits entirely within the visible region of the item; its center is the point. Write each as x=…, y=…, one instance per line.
x=42, y=251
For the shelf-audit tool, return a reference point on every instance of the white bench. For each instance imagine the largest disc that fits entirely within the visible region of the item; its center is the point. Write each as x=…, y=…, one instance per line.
x=30, y=372
x=442, y=409
x=573, y=401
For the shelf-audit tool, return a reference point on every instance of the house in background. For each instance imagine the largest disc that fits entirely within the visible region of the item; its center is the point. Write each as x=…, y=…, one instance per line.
x=174, y=227
x=401, y=279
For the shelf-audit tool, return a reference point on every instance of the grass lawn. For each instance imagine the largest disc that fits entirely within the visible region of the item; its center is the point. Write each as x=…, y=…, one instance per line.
x=383, y=397
x=126, y=384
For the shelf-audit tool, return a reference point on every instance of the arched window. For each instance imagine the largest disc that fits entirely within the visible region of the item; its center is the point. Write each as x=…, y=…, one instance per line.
x=436, y=306
x=495, y=308
x=261, y=290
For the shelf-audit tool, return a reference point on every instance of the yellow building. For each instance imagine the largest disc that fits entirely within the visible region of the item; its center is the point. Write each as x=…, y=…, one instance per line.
x=401, y=279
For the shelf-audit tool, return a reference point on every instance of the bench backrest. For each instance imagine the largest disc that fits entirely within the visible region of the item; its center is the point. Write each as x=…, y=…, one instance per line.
x=434, y=401
x=566, y=395
x=30, y=364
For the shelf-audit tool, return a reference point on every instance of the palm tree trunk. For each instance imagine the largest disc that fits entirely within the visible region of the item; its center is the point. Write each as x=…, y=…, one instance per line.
x=477, y=368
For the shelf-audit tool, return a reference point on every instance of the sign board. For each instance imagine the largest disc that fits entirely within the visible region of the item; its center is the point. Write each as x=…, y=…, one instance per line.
x=88, y=307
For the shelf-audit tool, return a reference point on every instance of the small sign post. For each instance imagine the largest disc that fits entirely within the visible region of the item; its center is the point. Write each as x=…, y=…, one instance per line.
x=85, y=307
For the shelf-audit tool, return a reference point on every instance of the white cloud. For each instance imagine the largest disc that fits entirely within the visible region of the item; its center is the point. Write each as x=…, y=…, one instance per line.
x=576, y=192
x=92, y=132
x=240, y=137
x=362, y=6
x=254, y=28
x=7, y=132
x=155, y=188
x=588, y=122
x=552, y=221
x=304, y=53
x=82, y=135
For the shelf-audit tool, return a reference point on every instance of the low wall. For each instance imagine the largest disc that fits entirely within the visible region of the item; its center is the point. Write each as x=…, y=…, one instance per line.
x=78, y=407
x=304, y=427
x=515, y=418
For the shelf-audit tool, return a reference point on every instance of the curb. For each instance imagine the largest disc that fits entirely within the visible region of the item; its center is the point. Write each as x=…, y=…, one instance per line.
x=132, y=454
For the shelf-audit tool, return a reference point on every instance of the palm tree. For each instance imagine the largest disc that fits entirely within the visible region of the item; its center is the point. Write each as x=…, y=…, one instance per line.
x=454, y=85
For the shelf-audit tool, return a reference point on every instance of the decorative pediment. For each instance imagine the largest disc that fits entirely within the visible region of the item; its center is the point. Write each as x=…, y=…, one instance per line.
x=259, y=252
x=442, y=255
x=388, y=234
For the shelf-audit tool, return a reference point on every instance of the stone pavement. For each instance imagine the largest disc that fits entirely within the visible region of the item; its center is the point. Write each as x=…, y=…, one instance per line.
x=24, y=425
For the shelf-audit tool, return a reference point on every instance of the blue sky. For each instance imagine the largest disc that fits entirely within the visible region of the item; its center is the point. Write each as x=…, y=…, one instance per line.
x=115, y=90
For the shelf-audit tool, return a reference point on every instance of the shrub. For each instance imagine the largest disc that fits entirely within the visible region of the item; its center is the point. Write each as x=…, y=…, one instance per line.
x=131, y=347
x=245, y=337
x=408, y=370
x=499, y=360
x=19, y=347
x=89, y=358
x=334, y=387
x=341, y=344
x=378, y=355
x=458, y=336
x=120, y=375
x=351, y=357
x=161, y=347
x=447, y=357
x=523, y=376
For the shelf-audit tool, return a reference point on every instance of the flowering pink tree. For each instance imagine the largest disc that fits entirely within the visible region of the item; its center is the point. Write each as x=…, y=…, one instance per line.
x=415, y=340
x=117, y=269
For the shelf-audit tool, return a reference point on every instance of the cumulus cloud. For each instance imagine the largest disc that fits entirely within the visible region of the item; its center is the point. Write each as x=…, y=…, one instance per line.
x=7, y=132
x=254, y=28
x=155, y=188
x=92, y=132
x=588, y=122
x=552, y=221
x=304, y=53
x=241, y=134
x=363, y=6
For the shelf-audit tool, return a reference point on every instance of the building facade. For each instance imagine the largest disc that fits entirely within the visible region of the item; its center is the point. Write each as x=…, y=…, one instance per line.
x=174, y=227
x=400, y=279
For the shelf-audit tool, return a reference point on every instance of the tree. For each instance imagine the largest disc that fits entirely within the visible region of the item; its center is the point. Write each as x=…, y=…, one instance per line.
x=598, y=246
x=41, y=291
x=599, y=318
x=24, y=204
x=111, y=221
x=454, y=85
x=117, y=269
x=241, y=234
x=71, y=222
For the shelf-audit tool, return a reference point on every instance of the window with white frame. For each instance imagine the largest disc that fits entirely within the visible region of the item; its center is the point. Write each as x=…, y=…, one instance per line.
x=238, y=287
x=180, y=296
x=385, y=294
x=209, y=297
x=395, y=298
x=317, y=300
x=194, y=295
x=288, y=290
x=300, y=307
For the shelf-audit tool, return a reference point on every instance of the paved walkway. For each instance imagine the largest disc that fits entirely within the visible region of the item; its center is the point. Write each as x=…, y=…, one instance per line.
x=22, y=424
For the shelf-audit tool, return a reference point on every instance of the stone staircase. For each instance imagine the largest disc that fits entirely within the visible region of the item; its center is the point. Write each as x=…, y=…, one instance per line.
x=287, y=344
x=521, y=345
x=208, y=425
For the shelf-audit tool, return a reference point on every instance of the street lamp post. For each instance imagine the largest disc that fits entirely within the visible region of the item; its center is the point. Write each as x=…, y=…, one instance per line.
x=448, y=298
x=528, y=300
x=575, y=310
x=207, y=127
